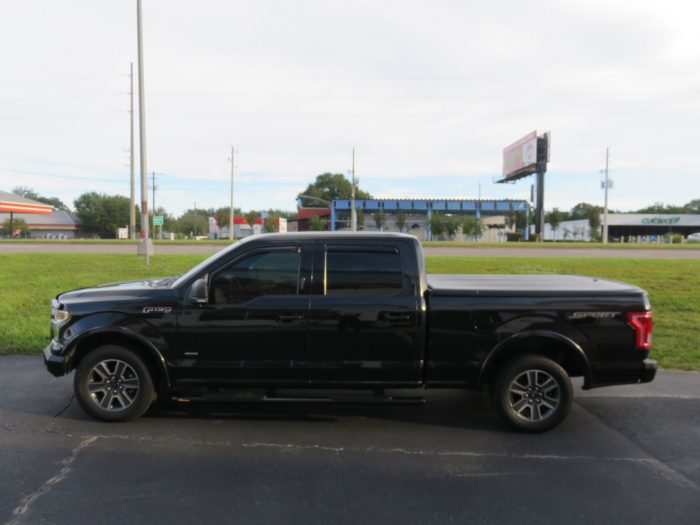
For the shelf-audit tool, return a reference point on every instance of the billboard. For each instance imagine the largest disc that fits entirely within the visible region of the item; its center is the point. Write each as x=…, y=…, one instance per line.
x=520, y=158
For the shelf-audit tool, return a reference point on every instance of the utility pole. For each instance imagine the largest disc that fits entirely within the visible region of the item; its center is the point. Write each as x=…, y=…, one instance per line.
x=353, y=211
x=231, y=224
x=607, y=184
x=145, y=244
x=153, y=200
x=195, y=221
x=132, y=209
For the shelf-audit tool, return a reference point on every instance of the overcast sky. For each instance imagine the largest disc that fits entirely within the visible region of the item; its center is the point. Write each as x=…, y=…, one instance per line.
x=428, y=92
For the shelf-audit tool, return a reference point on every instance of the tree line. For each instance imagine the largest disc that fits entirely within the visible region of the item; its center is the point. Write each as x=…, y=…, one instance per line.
x=101, y=214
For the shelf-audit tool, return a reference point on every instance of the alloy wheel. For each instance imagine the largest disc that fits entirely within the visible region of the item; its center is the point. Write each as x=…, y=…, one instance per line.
x=113, y=385
x=534, y=395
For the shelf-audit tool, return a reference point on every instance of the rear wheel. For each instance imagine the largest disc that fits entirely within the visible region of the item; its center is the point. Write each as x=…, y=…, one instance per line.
x=532, y=393
x=112, y=383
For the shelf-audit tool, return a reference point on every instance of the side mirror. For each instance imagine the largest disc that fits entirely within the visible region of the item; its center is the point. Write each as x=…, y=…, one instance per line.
x=198, y=292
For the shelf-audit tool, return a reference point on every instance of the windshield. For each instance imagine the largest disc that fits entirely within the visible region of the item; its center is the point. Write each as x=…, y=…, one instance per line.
x=201, y=266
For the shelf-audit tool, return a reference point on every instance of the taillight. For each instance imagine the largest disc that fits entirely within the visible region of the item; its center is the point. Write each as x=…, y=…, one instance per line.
x=642, y=324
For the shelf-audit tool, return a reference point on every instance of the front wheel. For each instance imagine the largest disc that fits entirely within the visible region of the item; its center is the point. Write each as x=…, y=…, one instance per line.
x=112, y=383
x=532, y=393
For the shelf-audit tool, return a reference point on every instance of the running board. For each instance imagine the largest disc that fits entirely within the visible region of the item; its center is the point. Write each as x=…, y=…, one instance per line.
x=371, y=400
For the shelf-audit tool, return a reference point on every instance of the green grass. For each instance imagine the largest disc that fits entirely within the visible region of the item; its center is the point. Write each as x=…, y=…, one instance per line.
x=29, y=281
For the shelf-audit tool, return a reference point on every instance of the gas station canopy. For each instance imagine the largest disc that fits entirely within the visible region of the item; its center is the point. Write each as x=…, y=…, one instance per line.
x=11, y=203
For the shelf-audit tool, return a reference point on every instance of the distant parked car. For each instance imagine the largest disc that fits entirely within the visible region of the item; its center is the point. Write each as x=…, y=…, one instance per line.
x=694, y=237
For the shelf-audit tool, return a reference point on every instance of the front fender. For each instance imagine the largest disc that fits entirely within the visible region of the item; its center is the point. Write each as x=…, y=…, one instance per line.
x=122, y=325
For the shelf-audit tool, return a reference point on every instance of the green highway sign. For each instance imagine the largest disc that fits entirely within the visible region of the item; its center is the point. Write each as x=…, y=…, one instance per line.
x=157, y=220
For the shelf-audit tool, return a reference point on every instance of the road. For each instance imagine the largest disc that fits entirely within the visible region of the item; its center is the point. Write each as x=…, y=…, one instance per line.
x=486, y=251
x=625, y=455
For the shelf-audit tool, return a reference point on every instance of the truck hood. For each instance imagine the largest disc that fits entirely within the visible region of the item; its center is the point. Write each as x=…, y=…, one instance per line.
x=115, y=291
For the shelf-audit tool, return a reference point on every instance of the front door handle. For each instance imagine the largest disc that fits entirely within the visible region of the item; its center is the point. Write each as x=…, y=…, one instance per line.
x=289, y=318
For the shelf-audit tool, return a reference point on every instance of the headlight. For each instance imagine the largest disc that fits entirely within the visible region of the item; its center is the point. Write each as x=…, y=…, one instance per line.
x=58, y=319
x=61, y=316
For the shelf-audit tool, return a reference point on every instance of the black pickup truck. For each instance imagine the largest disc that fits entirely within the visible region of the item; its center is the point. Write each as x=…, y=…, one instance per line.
x=350, y=312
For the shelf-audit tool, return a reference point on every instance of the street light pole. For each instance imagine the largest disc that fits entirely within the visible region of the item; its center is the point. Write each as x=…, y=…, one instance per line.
x=231, y=224
x=132, y=202
x=353, y=211
x=606, y=185
x=145, y=245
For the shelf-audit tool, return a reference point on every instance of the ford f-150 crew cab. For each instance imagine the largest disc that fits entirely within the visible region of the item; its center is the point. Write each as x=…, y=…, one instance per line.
x=347, y=311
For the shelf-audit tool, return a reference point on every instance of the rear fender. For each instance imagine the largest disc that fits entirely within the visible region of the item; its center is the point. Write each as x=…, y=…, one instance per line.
x=513, y=345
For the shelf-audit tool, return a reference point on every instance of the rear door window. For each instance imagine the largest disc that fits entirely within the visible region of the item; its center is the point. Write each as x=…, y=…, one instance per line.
x=356, y=272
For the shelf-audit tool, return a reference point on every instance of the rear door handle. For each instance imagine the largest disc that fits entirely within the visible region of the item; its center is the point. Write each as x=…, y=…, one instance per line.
x=289, y=318
x=398, y=318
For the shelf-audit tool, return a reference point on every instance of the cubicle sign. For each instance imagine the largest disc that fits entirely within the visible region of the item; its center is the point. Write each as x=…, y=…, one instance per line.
x=520, y=158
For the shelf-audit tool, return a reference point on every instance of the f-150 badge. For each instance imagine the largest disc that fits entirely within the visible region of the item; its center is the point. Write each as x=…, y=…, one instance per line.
x=157, y=310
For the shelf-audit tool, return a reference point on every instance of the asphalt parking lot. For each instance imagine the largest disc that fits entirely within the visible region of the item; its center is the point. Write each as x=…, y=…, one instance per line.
x=625, y=455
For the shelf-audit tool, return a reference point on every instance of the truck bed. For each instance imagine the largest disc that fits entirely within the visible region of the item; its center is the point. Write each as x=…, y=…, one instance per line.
x=526, y=285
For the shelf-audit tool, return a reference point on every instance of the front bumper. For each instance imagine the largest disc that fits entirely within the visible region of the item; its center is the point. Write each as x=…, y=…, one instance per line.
x=55, y=364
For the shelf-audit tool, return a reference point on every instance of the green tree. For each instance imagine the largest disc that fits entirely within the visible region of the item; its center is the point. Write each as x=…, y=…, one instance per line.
x=583, y=210
x=401, y=221
x=378, y=219
x=660, y=207
x=472, y=227
x=29, y=193
x=271, y=223
x=17, y=224
x=437, y=225
x=101, y=214
x=330, y=186
x=554, y=218
x=316, y=223
x=222, y=215
x=251, y=217
x=692, y=207
x=360, y=219
x=193, y=222
x=451, y=226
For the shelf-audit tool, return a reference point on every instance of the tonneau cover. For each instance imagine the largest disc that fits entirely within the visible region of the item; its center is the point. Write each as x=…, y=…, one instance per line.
x=526, y=285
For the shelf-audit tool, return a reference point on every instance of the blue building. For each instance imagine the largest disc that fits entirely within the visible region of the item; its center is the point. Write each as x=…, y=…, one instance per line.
x=418, y=212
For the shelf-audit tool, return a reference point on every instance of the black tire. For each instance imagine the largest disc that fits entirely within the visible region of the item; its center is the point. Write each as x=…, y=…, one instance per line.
x=532, y=393
x=112, y=383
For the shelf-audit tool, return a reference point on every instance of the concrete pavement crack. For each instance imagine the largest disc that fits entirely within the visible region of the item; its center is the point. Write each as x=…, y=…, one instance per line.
x=22, y=509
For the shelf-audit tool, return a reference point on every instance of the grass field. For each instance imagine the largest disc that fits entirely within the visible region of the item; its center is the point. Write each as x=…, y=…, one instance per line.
x=29, y=281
